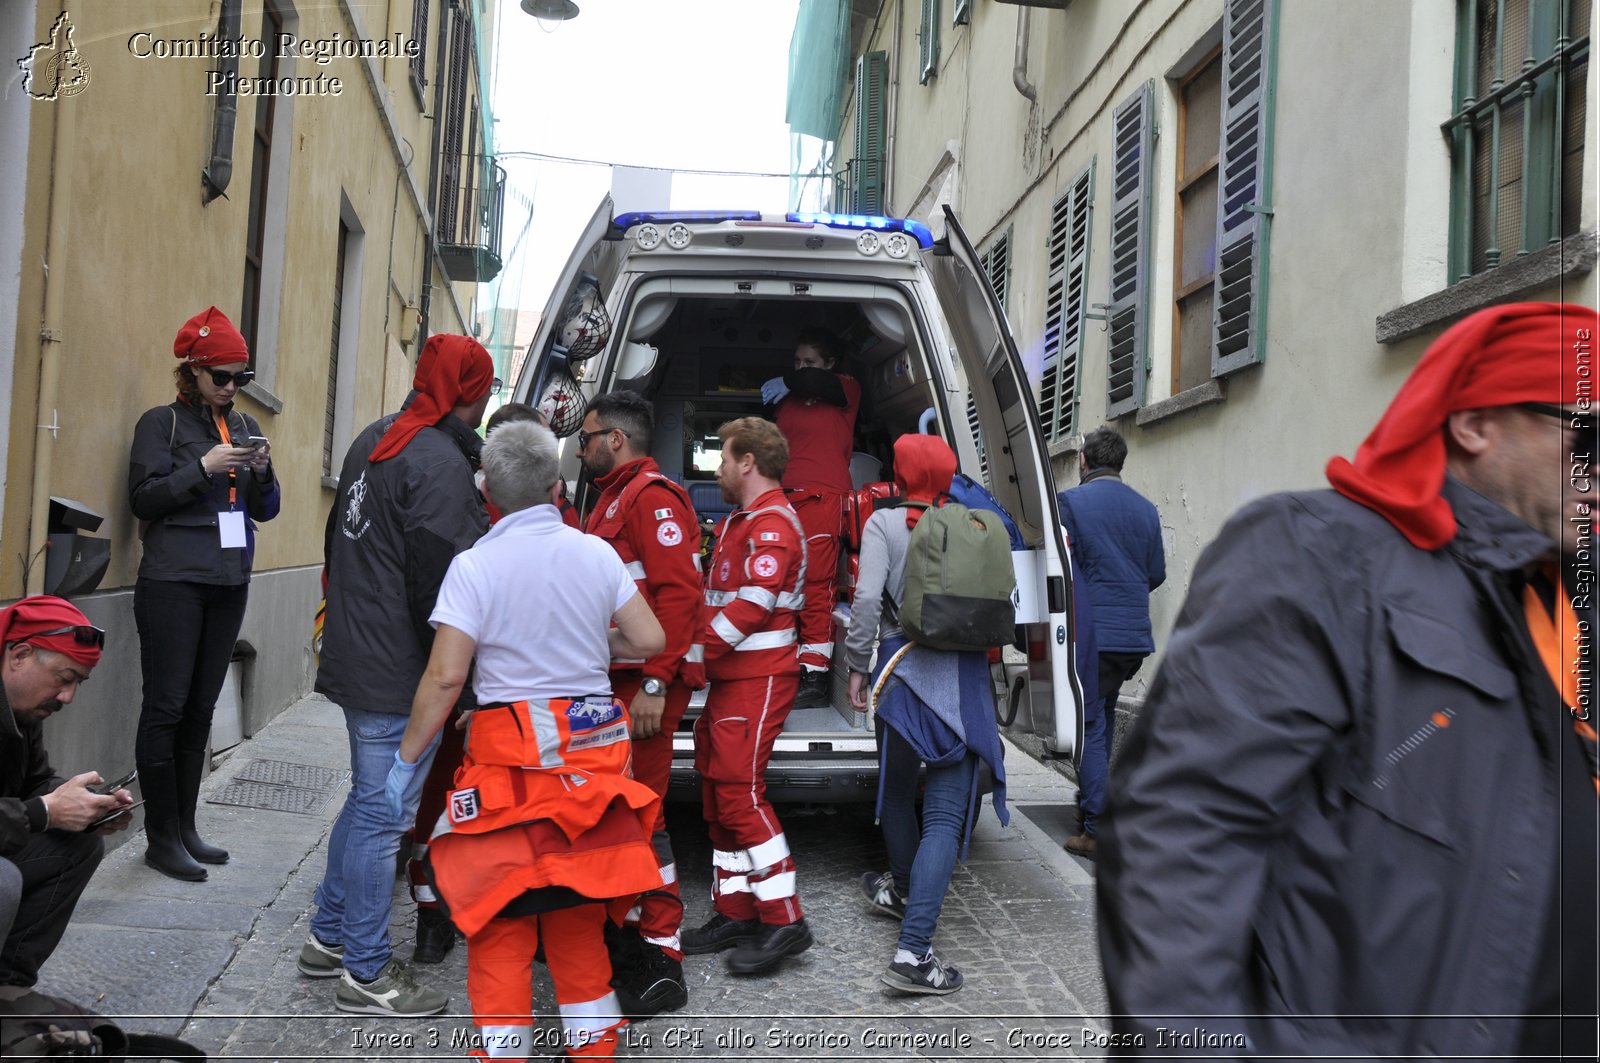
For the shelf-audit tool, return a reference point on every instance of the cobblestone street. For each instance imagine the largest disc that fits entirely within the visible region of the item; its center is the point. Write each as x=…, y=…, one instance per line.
x=1018, y=922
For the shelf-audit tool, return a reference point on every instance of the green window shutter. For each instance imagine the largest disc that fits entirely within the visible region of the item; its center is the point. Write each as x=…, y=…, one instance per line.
x=1132, y=155
x=963, y=13
x=930, y=40
x=872, y=72
x=1066, y=289
x=1244, y=184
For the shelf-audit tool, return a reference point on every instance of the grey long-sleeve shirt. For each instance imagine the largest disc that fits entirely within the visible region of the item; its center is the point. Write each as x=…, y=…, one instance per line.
x=882, y=564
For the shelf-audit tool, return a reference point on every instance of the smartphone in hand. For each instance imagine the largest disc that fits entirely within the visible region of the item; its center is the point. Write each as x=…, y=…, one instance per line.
x=255, y=442
x=125, y=810
x=112, y=787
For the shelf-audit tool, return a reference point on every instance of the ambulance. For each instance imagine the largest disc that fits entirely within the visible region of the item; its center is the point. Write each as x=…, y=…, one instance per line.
x=695, y=309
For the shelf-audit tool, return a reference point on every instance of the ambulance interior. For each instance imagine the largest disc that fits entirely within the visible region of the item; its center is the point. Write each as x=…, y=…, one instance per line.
x=702, y=359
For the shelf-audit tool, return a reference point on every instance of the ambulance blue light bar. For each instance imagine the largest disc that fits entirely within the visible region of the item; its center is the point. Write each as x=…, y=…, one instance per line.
x=667, y=217
x=909, y=226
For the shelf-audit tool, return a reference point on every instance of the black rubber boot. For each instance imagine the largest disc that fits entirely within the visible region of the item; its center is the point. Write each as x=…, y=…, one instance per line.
x=158, y=783
x=191, y=768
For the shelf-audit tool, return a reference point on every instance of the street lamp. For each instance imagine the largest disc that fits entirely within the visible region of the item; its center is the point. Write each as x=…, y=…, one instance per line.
x=550, y=11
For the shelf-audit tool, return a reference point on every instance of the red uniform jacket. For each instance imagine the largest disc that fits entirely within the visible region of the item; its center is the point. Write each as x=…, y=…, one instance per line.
x=754, y=593
x=648, y=520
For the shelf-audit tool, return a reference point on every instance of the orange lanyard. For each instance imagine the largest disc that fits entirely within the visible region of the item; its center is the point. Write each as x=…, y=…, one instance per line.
x=1547, y=635
x=233, y=475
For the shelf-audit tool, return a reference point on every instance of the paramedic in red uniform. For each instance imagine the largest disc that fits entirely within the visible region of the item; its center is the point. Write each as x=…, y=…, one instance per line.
x=649, y=521
x=753, y=597
x=817, y=414
x=545, y=827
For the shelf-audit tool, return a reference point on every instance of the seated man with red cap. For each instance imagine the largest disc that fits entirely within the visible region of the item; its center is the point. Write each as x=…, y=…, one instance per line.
x=1359, y=817
x=47, y=851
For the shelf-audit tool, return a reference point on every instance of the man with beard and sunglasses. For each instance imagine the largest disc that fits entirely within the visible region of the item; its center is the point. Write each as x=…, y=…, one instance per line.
x=49, y=827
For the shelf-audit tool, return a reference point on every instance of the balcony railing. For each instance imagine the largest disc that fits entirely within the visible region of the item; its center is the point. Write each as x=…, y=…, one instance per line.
x=471, y=207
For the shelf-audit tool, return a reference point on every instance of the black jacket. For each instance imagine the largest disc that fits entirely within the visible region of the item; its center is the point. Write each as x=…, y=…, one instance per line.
x=25, y=774
x=1341, y=798
x=393, y=531
x=168, y=488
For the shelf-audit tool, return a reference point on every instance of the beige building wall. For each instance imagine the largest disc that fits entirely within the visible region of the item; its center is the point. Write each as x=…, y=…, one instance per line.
x=140, y=252
x=1360, y=227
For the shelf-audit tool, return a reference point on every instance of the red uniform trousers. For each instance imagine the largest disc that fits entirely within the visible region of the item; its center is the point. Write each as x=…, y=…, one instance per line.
x=659, y=913
x=754, y=873
x=821, y=516
x=435, y=792
x=500, y=985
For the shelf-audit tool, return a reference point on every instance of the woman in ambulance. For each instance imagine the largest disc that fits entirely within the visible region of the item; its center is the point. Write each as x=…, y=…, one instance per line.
x=545, y=827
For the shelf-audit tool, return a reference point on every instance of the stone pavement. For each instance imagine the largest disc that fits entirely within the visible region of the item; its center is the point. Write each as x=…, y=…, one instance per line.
x=215, y=961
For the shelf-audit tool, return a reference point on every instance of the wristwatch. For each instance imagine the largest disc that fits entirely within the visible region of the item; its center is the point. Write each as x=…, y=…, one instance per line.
x=653, y=686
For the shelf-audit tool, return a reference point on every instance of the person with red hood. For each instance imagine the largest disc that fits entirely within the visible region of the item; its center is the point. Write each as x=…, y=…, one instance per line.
x=934, y=707
x=406, y=506
x=1358, y=818
x=198, y=487
x=49, y=842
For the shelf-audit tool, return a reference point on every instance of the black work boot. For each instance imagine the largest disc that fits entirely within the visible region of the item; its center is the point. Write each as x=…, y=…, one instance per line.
x=718, y=933
x=768, y=949
x=436, y=935
x=815, y=691
x=165, y=852
x=191, y=768
x=650, y=984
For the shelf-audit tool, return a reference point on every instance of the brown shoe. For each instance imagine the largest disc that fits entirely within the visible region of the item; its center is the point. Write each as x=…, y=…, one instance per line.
x=1081, y=845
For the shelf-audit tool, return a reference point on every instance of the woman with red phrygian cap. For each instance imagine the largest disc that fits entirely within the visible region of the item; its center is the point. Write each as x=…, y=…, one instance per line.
x=199, y=480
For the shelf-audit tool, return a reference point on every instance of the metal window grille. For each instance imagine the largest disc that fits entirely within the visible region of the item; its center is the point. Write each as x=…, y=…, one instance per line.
x=1066, y=289
x=1518, y=131
x=929, y=40
x=1132, y=158
x=1244, y=183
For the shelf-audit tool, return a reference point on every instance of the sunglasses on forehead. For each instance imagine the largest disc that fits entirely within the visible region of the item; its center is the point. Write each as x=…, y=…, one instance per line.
x=222, y=378
x=1581, y=422
x=82, y=634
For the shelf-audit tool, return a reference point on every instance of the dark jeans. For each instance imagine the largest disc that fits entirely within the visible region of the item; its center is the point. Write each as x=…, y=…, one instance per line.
x=39, y=887
x=186, y=636
x=1100, y=733
x=922, y=861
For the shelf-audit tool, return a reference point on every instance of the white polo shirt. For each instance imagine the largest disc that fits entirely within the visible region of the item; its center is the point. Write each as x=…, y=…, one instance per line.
x=537, y=597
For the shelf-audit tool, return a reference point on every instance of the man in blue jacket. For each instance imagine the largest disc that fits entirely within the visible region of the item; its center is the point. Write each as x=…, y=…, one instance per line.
x=1115, y=535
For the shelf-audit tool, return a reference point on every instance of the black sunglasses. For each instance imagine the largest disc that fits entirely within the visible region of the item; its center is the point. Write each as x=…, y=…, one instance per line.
x=222, y=378
x=82, y=634
x=584, y=437
x=1583, y=423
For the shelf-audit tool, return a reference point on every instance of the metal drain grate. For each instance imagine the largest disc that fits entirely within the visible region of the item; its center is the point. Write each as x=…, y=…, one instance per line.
x=281, y=786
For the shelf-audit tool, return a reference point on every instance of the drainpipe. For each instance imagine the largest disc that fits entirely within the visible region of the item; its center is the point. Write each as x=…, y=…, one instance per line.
x=428, y=247
x=219, y=171
x=51, y=337
x=1019, y=67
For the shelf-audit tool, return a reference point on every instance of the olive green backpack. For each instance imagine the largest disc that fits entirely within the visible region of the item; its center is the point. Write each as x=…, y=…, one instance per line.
x=960, y=583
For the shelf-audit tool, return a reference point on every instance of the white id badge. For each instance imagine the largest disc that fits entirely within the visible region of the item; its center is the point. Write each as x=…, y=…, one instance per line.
x=230, y=527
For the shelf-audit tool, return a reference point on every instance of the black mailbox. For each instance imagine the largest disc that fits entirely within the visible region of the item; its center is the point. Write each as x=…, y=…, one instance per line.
x=75, y=563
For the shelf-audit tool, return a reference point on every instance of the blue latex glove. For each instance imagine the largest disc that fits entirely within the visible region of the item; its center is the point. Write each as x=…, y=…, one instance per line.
x=395, y=786
x=773, y=391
